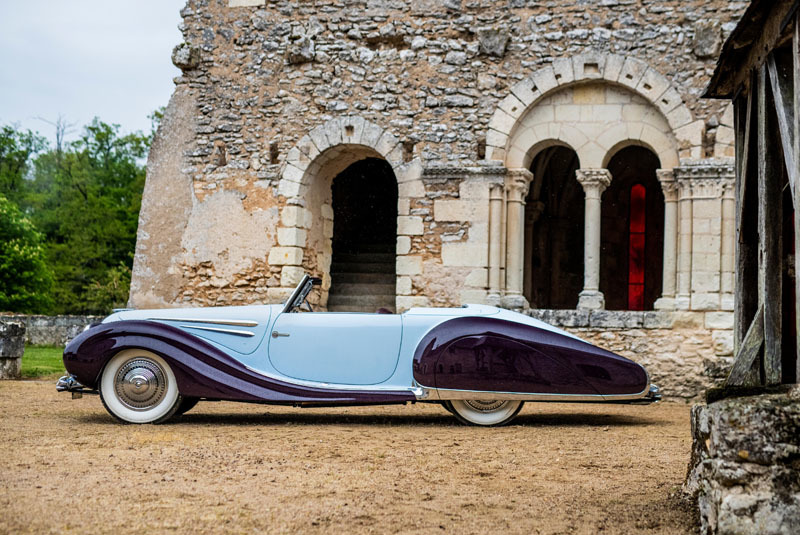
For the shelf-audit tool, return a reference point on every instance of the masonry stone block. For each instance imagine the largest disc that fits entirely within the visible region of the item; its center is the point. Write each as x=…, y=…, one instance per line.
x=296, y=216
x=562, y=70
x=291, y=275
x=460, y=210
x=327, y=228
x=472, y=296
x=512, y=105
x=327, y=211
x=246, y=3
x=290, y=189
x=292, y=236
x=632, y=71
x=279, y=295
x=719, y=320
x=502, y=122
x=293, y=174
x=403, y=245
x=405, y=302
x=464, y=254
x=279, y=256
x=705, y=301
x=477, y=278
x=12, y=346
x=411, y=189
x=410, y=225
x=403, y=286
x=386, y=144
x=409, y=265
x=526, y=91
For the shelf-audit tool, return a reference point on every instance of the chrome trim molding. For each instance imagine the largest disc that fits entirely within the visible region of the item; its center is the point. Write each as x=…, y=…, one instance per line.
x=215, y=330
x=237, y=323
x=488, y=395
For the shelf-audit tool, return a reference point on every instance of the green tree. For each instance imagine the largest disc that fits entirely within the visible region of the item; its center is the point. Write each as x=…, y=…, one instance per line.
x=25, y=279
x=16, y=150
x=86, y=201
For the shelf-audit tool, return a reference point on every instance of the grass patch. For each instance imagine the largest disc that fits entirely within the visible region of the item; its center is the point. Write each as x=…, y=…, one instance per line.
x=42, y=361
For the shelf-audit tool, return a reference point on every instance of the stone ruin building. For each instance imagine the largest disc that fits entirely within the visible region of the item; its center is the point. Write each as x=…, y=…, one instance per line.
x=553, y=157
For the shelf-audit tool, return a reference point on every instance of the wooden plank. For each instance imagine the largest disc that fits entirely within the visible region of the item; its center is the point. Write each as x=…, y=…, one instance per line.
x=746, y=296
x=796, y=150
x=781, y=85
x=740, y=374
x=770, y=280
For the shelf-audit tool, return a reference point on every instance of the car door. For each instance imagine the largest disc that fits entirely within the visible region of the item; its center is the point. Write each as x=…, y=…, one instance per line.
x=336, y=347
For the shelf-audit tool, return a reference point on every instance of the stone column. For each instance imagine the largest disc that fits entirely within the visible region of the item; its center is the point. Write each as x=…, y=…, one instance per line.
x=728, y=259
x=594, y=182
x=12, y=345
x=670, y=188
x=684, y=277
x=517, y=182
x=533, y=210
x=495, y=241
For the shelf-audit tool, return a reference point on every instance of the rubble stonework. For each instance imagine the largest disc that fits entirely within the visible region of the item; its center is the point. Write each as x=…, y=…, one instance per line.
x=277, y=98
x=744, y=468
x=50, y=330
x=12, y=345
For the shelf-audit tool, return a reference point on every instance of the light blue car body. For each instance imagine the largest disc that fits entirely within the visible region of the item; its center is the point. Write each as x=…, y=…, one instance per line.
x=326, y=348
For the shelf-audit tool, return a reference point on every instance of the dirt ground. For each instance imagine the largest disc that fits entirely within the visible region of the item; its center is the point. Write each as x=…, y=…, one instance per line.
x=66, y=466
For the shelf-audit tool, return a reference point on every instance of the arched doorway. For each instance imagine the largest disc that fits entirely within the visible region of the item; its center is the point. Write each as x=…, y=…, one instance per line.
x=553, y=275
x=364, y=201
x=632, y=231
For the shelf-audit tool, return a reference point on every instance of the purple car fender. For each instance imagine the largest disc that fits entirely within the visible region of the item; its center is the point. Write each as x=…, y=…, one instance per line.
x=489, y=354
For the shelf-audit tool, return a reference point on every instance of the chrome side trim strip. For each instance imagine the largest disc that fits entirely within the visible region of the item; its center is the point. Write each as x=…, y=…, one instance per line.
x=215, y=330
x=428, y=394
x=238, y=323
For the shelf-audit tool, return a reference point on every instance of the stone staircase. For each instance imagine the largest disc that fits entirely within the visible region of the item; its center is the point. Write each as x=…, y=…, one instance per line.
x=363, y=281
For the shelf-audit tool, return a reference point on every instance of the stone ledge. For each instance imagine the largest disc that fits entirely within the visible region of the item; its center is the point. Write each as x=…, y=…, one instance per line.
x=50, y=330
x=606, y=319
x=744, y=466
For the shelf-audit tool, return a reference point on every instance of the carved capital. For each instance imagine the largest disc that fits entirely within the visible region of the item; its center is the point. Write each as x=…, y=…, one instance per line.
x=593, y=180
x=517, y=183
x=669, y=186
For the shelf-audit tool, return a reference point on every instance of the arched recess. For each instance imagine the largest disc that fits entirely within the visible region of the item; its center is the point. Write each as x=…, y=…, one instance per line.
x=513, y=129
x=632, y=231
x=554, y=221
x=334, y=149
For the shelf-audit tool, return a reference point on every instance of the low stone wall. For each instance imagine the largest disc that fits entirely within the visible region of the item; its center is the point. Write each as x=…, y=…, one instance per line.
x=745, y=467
x=684, y=352
x=12, y=345
x=51, y=330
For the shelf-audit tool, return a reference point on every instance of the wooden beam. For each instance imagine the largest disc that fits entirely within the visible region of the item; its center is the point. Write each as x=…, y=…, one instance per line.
x=796, y=151
x=781, y=85
x=770, y=279
x=741, y=177
x=746, y=357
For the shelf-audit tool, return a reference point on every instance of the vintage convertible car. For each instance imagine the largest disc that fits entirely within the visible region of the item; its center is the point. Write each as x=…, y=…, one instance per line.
x=482, y=363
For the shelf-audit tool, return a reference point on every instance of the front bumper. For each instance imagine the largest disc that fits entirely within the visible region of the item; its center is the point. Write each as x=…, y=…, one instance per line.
x=653, y=396
x=69, y=383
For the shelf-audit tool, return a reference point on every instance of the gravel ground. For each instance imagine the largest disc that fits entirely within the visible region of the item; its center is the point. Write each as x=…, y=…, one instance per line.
x=67, y=466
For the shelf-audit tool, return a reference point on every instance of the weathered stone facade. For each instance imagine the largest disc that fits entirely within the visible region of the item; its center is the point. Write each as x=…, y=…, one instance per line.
x=50, y=330
x=462, y=99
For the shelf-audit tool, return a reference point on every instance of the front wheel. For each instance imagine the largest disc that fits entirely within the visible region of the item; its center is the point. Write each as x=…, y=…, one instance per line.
x=488, y=413
x=138, y=387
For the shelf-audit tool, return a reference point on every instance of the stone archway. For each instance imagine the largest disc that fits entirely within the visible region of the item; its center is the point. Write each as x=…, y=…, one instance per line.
x=634, y=75
x=307, y=215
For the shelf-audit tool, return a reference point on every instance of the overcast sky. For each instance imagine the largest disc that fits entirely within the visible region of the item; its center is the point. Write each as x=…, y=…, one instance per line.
x=86, y=58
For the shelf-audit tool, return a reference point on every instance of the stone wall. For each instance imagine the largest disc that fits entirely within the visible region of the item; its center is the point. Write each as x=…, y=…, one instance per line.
x=12, y=345
x=684, y=352
x=276, y=97
x=51, y=330
x=745, y=467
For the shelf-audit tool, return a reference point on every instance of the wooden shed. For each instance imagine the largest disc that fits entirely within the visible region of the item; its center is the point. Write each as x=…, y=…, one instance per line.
x=759, y=69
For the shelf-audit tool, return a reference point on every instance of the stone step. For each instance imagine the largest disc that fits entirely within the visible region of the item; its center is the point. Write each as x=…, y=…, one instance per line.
x=361, y=288
x=362, y=303
x=363, y=278
x=354, y=258
x=362, y=267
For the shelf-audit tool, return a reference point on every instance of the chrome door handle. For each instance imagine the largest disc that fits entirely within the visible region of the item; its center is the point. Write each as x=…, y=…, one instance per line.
x=276, y=334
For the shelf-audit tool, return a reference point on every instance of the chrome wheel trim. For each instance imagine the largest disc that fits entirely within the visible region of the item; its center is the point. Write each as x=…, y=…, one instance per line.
x=154, y=400
x=140, y=383
x=489, y=413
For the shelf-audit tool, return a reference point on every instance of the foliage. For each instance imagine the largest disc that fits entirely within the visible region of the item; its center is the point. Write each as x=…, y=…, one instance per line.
x=16, y=150
x=42, y=361
x=84, y=197
x=25, y=279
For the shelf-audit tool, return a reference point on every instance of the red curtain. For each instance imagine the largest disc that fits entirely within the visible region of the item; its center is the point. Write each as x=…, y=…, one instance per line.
x=636, y=244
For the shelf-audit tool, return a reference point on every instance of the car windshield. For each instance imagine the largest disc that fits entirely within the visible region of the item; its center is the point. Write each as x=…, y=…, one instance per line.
x=301, y=292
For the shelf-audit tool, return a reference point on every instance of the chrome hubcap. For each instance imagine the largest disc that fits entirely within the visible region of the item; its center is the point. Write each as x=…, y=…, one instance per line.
x=485, y=406
x=140, y=384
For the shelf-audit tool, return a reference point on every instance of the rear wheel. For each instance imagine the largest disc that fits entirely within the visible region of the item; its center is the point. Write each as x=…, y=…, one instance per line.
x=138, y=386
x=487, y=413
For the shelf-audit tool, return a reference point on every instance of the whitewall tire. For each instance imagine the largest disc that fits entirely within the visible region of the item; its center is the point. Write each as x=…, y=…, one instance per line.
x=138, y=387
x=488, y=413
